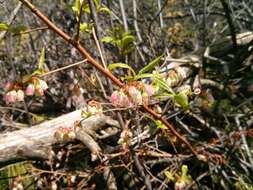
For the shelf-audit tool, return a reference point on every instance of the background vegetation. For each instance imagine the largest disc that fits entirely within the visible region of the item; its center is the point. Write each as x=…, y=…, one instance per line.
x=211, y=107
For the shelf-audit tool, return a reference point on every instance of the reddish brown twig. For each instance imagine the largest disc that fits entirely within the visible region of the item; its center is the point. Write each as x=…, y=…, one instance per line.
x=103, y=70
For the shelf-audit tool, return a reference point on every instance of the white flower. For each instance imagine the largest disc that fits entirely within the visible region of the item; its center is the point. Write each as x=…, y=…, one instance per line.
x=20, y=95
x=43, y=84
x=11, y=96
x=135, y=95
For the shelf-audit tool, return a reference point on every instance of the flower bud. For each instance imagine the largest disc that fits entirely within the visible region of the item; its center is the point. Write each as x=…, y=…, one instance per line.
x=149, y=89
x=40, y=92
x=20, y=95
x=135, y=95
x=180, y=185
x=43, y=84
x=119, y=98
x=11, y=96
x=30, y=90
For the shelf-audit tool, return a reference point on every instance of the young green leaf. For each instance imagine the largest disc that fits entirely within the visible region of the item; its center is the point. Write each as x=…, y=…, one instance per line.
x=85, y=27
x=145, y=75
x=126, y=40
x=162, y=84
x=182, y=99
x=77, y=8
x=42, y=59
x=4, y=26
x=121, y=65
x=185, y=177
x=107, y=39
x=169, y=176
x=151, y=65
x=160, y=125
x=17, y=29
x=105, y=10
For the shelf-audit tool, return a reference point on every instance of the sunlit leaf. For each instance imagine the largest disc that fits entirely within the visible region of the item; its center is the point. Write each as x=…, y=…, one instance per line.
x=160, y=125
x=42, y=59
x=126, y=40
x=182, y=100
x=4, y=26
x=184, y=176
x=162, y=84
x=85, y=27
x=77, y=8
x=105, y=10
x=121, y=65
x=107, y=39
x=151, y=65
x=169, y=176
x=142, y=76
x=38, y=118
x=17, y=29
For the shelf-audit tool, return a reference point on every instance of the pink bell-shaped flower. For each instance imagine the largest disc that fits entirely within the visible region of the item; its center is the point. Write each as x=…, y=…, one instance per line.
x=11, y=96
x=135, y=95
x=30, y=90
x=20, y=95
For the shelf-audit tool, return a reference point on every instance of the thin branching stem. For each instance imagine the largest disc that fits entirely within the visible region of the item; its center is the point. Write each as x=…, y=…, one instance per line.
x=104, y=71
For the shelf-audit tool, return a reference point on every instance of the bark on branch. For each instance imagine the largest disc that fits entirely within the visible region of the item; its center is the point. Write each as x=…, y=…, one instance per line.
x=36, y=142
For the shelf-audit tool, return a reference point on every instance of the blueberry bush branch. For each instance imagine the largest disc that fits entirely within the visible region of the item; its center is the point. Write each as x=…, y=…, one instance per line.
x=98, y=66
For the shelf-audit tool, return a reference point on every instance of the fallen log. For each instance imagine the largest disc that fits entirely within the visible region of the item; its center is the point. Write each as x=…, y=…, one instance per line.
x=36, y=142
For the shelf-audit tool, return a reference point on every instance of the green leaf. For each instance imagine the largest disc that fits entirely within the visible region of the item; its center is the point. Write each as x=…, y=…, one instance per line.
x=3, y=26
x=160, y=125
x=12, y=171
x=126, y=40
x=151, y=65
x=36, y=119
x=105, y=9
x=107, y=39
x=42, y=59
x=85, y=27
x=77, y=8
x=145, y=75
x=17, y=29
x=162, y=84
x=182, y=100
x=97, y=3
x=169, y=176
x=121, y=65
x=185, y=177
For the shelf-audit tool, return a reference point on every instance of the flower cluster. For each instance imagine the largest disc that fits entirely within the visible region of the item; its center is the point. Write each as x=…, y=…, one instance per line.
x=132, y=95
x=92, y=108
x=14, y=96
x=36, y=87
x=15, y=92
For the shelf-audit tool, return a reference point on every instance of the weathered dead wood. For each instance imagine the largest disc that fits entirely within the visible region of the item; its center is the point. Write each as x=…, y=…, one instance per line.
x=223, y=46
x=36, y=142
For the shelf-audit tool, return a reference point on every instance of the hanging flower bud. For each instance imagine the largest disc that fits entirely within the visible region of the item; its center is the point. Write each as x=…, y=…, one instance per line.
x=40, y=91
x=119, y=98
x=149, y=89
x=11, y=97
x=30, y=90
x=43, y=84
x=135, y=95
x=115, y=98
x=20, y=95
x=180, y=185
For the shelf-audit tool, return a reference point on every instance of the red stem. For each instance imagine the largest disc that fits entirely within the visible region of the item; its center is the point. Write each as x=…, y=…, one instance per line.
x=104, y=71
